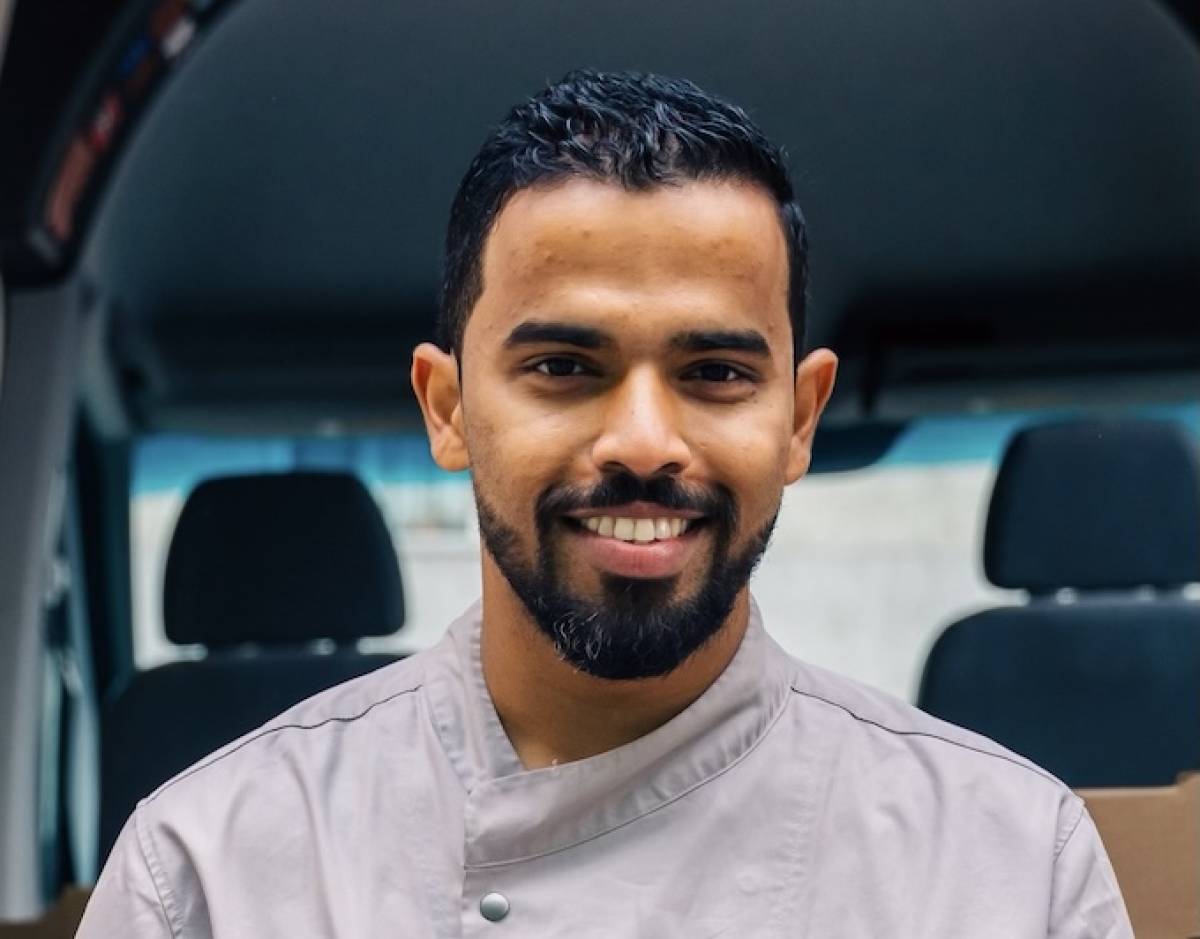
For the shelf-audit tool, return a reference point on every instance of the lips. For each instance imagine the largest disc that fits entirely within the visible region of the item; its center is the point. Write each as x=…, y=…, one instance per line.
x=637, y=540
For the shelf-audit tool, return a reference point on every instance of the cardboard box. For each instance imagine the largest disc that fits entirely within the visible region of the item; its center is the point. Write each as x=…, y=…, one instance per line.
x=1153, y=838
x=60, y=922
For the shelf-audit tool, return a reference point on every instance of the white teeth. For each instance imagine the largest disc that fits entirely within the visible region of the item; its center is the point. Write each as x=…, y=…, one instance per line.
x=623, y=529
x=639, y=530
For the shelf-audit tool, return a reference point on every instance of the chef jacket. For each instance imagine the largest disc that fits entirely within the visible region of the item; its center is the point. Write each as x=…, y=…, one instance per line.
x=784, y=802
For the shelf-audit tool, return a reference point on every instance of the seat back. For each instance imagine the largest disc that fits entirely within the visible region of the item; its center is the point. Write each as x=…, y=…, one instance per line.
x=260, y=567
x=1102, y=686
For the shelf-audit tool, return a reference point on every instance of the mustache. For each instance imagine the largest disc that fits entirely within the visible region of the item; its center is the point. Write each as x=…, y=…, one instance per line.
x=621, y=488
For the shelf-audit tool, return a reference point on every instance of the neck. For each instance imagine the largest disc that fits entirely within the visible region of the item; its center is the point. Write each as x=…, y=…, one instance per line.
x=554, y=713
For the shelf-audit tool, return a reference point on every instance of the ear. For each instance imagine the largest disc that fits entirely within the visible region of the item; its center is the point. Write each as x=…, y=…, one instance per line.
x=435, y=381
x=814, y=384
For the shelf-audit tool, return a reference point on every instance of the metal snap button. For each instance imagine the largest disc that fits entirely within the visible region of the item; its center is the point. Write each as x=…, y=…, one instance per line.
x=494, y=907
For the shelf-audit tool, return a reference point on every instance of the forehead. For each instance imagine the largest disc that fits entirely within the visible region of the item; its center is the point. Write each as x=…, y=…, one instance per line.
x=714, y=247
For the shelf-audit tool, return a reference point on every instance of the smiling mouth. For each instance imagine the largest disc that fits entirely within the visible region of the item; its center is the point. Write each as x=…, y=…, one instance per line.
x=638, y=539
x=640, y=529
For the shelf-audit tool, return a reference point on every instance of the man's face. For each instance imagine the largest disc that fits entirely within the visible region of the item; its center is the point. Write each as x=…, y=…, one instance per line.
x=628, y=406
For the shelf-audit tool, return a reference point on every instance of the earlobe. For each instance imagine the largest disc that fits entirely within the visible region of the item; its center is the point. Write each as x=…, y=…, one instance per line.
x=435, y=383
x=814, y=384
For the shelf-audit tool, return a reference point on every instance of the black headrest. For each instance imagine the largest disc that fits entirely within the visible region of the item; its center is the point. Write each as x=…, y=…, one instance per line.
x=1096, y=505
x=281, y=559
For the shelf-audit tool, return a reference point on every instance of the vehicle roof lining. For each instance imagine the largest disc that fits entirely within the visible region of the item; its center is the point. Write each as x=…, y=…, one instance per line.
x=950, y=150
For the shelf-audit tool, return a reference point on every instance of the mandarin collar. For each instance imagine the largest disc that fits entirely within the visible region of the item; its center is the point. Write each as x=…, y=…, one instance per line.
x=514, y=814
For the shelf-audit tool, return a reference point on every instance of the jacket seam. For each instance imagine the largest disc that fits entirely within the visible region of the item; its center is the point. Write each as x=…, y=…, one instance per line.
x=1062, y=843
x=930, y=736
x=269, y=731
x=158, y=877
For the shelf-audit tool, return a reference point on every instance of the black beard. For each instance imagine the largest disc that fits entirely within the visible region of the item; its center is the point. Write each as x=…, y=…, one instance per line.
x=635, y=630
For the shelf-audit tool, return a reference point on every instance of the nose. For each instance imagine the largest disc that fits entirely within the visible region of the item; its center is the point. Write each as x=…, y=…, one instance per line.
x=641, y=432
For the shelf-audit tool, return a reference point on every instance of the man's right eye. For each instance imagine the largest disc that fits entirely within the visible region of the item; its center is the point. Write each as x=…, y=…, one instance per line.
x=559, y=367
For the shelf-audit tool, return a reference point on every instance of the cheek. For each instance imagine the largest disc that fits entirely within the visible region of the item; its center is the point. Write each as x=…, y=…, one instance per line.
x=750, y=457
x=515, y=456
x=535, y=431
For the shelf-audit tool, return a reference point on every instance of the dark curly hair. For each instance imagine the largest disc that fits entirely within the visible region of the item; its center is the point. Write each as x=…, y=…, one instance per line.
x=636, y=130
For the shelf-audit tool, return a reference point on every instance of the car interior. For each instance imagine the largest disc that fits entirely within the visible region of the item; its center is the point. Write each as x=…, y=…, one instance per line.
x=221, y=226
x=1108, y=510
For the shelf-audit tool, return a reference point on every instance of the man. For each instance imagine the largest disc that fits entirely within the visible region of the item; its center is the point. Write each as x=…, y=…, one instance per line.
x=610, y=744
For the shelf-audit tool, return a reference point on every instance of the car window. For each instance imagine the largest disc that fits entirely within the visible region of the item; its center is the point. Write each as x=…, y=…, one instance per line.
x=864, y=570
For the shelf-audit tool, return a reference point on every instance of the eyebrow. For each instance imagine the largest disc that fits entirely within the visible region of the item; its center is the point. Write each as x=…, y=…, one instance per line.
x=568, y=334
x=715, y=340
x=536, y=332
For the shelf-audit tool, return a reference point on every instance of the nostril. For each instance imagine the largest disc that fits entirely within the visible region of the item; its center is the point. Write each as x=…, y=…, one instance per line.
x=617, y=466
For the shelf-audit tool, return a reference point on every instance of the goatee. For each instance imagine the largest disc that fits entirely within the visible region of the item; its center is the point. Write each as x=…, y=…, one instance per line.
x=636, y=628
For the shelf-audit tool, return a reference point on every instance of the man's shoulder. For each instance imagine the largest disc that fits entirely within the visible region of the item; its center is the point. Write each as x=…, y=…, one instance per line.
x=327, y=724
x=871, y=713
x=277, y=803
x=889, y=752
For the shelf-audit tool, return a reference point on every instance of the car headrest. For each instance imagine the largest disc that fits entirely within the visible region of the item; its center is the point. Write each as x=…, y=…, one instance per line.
x=281, y=559
x=1095, y=505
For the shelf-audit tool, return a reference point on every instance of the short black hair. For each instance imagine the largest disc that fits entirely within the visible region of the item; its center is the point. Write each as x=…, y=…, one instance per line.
x=633, y=129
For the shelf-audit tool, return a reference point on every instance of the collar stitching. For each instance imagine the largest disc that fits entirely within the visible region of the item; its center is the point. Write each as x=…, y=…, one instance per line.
x=491, y=865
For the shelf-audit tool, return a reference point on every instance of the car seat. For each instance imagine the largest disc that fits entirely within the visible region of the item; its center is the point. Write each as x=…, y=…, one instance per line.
x=1097, y=676
x=259, y=568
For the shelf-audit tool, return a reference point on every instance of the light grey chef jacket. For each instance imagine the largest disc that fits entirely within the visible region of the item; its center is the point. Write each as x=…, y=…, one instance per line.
x=786, y=801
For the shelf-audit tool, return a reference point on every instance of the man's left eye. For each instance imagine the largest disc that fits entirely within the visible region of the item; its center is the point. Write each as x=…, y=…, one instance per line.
x=717, y=372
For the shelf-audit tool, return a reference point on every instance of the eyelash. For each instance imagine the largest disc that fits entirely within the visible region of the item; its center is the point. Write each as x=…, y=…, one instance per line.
x=738, y=373
x=537, y=366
